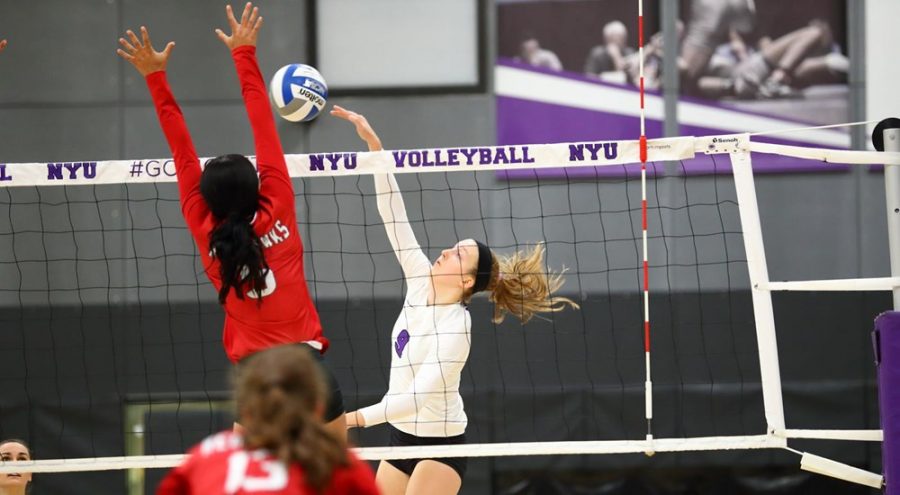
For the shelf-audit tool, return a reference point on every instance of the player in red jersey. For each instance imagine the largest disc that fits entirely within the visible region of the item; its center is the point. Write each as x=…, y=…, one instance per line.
x=285, y=448
x=245, y=226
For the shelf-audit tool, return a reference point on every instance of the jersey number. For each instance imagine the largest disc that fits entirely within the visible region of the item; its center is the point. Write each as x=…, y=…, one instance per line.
x=276, y=477
x=270, y=284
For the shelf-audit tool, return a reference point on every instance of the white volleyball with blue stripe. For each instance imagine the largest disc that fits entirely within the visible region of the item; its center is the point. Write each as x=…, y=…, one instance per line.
x=299, y=92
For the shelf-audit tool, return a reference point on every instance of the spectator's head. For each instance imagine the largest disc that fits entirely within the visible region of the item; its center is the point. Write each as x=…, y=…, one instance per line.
x=14, y=450
x=529, y=47
x=615, y=33
x=281, y=395
x=743, y=15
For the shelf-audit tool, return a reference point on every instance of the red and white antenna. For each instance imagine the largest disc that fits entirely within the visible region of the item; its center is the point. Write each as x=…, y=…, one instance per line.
x=648, y=384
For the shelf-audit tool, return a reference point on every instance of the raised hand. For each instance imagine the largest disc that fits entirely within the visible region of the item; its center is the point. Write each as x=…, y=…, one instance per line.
x=242, y=33
x=140, y=52
x=365, y=131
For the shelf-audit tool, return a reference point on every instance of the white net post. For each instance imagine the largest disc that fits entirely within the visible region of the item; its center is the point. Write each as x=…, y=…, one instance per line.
x=764, y=315
x=892, y=199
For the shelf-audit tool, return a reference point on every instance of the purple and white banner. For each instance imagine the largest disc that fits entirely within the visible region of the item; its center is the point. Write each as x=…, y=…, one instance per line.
x=542, y=105
x=525, y=158
x=570, y=70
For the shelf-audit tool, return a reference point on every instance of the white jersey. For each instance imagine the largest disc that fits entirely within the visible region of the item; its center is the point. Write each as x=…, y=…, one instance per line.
x=429, y=343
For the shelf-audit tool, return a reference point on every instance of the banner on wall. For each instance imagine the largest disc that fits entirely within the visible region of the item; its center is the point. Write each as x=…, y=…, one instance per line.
x=568, y=70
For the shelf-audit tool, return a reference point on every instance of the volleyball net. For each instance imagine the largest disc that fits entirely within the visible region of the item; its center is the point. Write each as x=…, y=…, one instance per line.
x=112, y=333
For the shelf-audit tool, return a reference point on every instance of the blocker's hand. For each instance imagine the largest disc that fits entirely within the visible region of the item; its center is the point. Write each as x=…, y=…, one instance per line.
x=242, y=33
x=140, y=52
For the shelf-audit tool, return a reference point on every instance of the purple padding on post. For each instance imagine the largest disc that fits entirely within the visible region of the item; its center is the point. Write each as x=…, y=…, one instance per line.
x=887, y=355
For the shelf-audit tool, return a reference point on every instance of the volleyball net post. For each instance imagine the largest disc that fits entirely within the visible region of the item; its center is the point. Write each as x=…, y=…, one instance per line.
x=886, y=336
x=889, y=130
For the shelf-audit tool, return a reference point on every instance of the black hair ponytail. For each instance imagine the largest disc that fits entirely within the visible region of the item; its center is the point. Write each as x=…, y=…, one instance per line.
x=231, y=189
x=242, y=265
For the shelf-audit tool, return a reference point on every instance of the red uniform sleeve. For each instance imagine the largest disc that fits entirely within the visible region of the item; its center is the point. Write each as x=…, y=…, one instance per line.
x=276, y=191
x=176, y=481
x=187, y=165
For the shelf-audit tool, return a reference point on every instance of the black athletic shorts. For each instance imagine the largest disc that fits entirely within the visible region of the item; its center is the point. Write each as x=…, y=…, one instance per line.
x=334, y=408
x=402, y=439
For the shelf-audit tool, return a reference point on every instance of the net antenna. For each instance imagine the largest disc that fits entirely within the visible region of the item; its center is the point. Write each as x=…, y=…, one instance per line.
x=886, y=336
x=648, y=384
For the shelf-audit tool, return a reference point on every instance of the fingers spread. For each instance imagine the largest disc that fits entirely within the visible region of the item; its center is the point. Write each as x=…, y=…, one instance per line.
x=245, y=14
x=146, y=37
x=125, y=44
x=229, y=13
x=124, y=55
x=134, y=39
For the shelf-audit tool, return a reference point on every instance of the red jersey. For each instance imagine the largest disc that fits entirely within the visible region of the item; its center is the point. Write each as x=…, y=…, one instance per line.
x=220, y=465
x=287, y=314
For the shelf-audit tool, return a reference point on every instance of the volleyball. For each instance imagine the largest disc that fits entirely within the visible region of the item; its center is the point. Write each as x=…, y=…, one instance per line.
x=299, y=92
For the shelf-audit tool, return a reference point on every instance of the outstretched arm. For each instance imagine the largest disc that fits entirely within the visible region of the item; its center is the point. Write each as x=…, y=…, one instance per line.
x=390, y=204
x=273, y=174
x=152, y=65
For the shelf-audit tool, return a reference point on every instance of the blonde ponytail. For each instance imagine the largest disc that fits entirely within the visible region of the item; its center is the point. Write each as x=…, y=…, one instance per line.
x=522, y=286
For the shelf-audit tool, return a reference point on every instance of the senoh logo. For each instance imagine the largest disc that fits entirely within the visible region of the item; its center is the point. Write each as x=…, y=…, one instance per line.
x=717, y=141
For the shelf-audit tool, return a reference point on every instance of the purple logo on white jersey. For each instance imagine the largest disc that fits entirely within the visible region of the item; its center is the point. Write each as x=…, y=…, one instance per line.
x=402, y=340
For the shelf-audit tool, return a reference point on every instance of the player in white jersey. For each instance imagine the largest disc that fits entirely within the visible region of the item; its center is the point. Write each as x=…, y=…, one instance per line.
x=431, y=337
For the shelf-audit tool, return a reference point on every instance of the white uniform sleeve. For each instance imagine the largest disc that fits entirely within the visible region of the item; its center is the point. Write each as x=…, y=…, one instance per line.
x=445, y=362
x=399, y=232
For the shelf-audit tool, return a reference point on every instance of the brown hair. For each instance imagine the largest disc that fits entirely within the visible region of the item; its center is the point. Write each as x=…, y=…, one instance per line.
x=279, y=393
x=521, y=285
x=16, y=440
